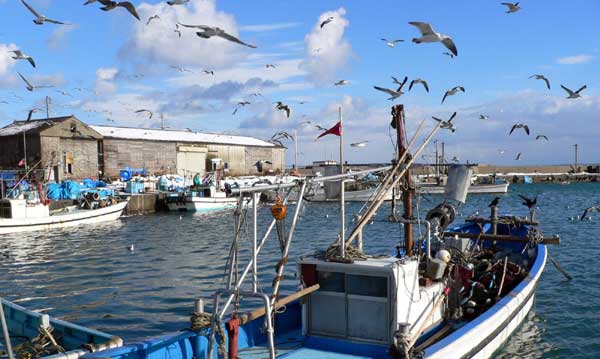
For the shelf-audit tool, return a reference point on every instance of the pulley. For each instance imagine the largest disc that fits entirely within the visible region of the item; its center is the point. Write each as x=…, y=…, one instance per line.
x=279, y=211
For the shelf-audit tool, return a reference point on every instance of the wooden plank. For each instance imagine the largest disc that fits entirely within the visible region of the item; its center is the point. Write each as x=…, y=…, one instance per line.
x=499, y=237
x=259, y=312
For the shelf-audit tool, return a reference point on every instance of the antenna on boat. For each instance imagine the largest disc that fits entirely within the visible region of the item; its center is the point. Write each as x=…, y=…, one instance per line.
x=342, y=185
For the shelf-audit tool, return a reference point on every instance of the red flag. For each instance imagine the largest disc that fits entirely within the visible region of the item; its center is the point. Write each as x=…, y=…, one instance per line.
x=21, y=163
x=335, y=130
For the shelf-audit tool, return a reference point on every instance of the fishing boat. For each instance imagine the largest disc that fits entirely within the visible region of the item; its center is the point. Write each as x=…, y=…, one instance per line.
x=37, y=335
x=201, y=200
x=31, y=214
x=457, y=291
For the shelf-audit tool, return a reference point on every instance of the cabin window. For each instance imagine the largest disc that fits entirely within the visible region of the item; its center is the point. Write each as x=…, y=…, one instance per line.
x=68, y=162
x=331, y=281
x=5, y=210
x=367, y=286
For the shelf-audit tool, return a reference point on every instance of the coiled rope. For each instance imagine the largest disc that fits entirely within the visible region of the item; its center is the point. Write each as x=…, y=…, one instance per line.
x=201, y=321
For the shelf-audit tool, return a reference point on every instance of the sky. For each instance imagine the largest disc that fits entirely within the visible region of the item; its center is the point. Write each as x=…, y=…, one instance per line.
x=104, y=66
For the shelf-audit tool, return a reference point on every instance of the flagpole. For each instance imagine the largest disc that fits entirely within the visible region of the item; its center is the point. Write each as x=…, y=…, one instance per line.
x=342, y=199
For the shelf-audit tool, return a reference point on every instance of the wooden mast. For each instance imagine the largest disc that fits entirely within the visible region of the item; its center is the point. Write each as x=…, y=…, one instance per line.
x=408, y=188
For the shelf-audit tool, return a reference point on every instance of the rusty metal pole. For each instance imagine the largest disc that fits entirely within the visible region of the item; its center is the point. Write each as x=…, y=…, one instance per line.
x=407, y=194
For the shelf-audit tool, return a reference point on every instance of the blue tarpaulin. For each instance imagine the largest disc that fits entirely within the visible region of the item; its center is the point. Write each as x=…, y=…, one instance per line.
x=66, y=190
x=92, y=183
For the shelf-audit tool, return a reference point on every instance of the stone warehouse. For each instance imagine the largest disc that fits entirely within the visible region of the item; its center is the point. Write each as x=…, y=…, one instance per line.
x=76, y=150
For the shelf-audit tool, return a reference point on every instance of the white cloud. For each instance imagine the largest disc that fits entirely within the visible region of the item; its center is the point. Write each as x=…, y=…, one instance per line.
x=58, y=38
x=157, y=42
x=6, y=61
x=575, y=60
x=105, y=77
x=269, y=27
x=326, y=49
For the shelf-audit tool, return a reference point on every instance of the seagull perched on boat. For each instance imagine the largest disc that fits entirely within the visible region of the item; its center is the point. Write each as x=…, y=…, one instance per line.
x=41, y=19
x=209, y=31
x=530, y=203
x=153, y=17
x=512, y=7
x=453, y=92
x=361, y=144
x=446, y=124
x=539, y=137
x=429, y=35
x=283, y=107
x=341, y=83
x=484, y=117
x=590, y=209
x=19, y=55
x=573, y=94
x=519, y=125
x=418, y=81
x=541, y=77
x=519, y=155
x=391, y=43
x=494, y=202
x=111, y=5
x=150, y=113
x=29, y=86
x=259, y=164
x=327, y=21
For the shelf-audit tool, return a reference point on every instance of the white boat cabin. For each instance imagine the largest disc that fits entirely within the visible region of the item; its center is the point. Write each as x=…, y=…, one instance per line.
x=23, y=208
x=368, y=300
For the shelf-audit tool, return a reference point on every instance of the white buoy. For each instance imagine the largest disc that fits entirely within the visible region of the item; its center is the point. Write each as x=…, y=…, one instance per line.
x=131, y=248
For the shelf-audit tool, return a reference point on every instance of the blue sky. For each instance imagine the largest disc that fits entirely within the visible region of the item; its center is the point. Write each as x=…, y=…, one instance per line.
x=122, y=65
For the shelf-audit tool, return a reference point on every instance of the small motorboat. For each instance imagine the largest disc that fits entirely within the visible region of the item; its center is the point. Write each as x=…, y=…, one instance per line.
x=31, y=214
x=35, y=335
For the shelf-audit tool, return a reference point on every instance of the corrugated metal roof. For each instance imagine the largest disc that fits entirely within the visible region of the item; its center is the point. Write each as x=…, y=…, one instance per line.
x=178, y=136
x=19, y=127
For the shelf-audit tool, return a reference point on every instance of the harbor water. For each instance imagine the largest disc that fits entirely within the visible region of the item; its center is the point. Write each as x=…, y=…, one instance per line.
x=92, y=277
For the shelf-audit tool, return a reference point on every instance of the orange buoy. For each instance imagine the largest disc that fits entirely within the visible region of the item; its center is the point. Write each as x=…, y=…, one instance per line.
x=278, y=210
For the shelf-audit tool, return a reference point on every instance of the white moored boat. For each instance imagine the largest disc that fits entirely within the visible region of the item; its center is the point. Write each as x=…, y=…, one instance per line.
x=21, y=215
x=202, y=200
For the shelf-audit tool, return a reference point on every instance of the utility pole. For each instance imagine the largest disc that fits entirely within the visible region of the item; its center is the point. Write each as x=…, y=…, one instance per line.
x=162, y=121
x=577, y=157
x=47, y=107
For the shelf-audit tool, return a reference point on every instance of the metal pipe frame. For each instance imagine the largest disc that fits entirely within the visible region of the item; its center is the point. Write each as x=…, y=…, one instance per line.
x=268, y=316
x=254, y=243
x=250, y=264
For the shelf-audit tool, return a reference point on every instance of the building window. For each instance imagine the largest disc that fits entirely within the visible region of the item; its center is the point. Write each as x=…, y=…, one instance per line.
x=68, y=162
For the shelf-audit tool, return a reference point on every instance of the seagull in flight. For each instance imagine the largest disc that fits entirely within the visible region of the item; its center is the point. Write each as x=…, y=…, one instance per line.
x=259, y=164
x=41, y=19
x=153, y=17
x=449, y=54
x=530, y=203
x=181, y=69
x=589, y=209
x=453, y=92
x=484, y=117
x=208, y=72
x=512, y=7
x=327, y=21
x=573, y=94
x=391, y=43
x=111, y=5
x=361, y=144
x=541, y=77
x=283, y=107
x=418, y=81
x=519, y=125
x=209, y=31
x=282, y=134
x=150, y=114
x=320, y=128
x=429, y=35
x=31, y=112
x=539, y=137
x=177, y=30
x=270, y=66
x=393, y=93
x=29, y=86
x=19, y=55
x=177, y=2
x=519, y=156
x=446, y=124
x=341, y=83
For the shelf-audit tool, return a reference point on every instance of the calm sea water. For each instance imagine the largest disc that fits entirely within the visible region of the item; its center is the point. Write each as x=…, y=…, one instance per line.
x=88, y=275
